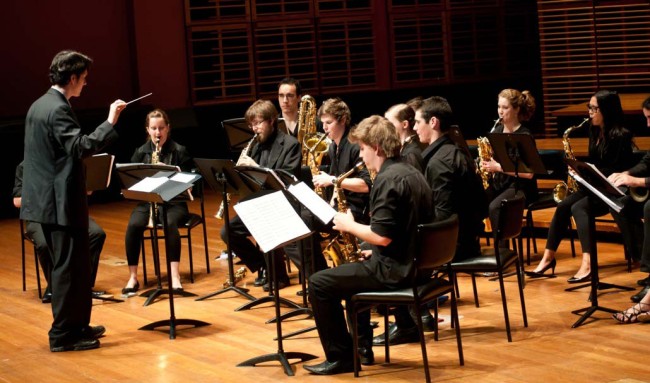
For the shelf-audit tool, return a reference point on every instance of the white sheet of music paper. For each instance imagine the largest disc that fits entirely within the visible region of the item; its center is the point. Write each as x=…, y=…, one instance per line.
x=611, y=203
x=313, y=202
x=148, y=184
x=183, y=177
x=271, y=220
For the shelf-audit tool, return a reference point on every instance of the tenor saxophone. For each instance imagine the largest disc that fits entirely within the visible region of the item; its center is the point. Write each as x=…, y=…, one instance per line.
x=563, y=189
x=344, y=248
x=244, y=153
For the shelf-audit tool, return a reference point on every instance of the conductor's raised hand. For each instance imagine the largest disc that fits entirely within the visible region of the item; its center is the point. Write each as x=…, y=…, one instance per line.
x=114, y=113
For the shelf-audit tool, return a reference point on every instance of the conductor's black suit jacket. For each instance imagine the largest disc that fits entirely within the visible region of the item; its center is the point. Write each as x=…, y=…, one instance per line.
x=54, y=183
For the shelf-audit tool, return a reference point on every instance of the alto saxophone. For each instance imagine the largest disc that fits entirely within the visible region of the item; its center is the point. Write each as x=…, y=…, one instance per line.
x=317, y=145
x=155, y=158
x=244, y=153
x=485, y=153
x=344, y=248
x=563, y=189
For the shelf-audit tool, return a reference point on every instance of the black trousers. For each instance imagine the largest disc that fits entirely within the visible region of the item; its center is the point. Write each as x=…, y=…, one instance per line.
x=327, y=289
x=177, y=215
x=636, y=233
x=70, y=281
x=583, y=208
x=96, y=239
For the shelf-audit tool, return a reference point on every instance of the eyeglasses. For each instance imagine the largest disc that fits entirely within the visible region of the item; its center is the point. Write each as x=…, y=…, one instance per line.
x=256, y=123
x=592, y=108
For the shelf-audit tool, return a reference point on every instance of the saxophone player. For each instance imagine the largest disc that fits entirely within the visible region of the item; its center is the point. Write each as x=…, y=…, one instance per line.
x=610, y=150
x=399, y=201
x=514, y=109
x=456, y=189
x=274, y=150
x=335, y=114
x=159, y=144
x=636, y=233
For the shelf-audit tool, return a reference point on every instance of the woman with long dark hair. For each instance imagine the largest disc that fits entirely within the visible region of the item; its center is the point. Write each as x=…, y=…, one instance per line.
x=610, y=150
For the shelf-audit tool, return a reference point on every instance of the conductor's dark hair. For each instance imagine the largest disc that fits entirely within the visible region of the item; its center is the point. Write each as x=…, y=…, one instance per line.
x=646, y=104
x=67, y=63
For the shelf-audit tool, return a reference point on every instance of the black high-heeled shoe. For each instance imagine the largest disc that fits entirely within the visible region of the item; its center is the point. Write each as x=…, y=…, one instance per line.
x=130, y=291
x=580, y=280
x=538, y=274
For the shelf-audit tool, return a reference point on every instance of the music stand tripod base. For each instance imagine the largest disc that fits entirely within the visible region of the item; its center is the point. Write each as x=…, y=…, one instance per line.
x=152, y=294
x=172, y=325
x=282, y=357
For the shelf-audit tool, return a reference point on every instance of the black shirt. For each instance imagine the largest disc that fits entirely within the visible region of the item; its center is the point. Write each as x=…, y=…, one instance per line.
x=171, y=153
x=612, y=154
x=411, y=153
x=399, y=200
x=343, y=157
x=457, y=189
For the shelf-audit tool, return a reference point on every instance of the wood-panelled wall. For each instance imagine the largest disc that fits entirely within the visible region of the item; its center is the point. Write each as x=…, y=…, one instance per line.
x=591, y=45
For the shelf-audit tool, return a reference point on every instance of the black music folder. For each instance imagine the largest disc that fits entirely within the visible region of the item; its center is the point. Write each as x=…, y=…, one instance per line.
x=98, y=171
x=590, y=177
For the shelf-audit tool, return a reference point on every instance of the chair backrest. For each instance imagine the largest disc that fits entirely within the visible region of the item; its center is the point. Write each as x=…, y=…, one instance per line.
x=437, y=243
x=511, y=213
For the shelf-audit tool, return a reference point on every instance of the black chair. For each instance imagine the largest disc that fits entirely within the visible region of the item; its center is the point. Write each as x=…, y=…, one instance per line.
x=437, y=245
x=26, y=238
x=495, y=259
x=553, y=159
x=193, y=221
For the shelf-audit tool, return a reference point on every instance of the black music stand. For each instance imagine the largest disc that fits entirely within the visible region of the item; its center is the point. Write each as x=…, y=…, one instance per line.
x=129, y=175
x=517, y=153
x=98, y=177
x=599, y=187
x=222, y=177
x=257, y=179
x=161, y=195
x=252, y=221
x=239, y=133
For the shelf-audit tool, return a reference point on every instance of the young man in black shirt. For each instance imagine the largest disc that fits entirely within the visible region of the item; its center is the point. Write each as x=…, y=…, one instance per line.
x=399, y=200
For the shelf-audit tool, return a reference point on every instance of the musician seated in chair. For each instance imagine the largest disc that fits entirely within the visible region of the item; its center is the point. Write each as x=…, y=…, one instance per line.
x=636, y=234
x=514, y=109
x=96, y=239
x=610, y=150
x=457, y=189
x=160, y=149
x=400, y=200
x=272, y=149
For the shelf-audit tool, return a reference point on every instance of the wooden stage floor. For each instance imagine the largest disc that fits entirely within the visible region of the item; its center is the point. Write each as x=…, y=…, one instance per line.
x=549, y=350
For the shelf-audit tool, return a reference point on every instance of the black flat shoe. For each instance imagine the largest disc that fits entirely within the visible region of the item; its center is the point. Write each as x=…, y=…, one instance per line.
x=47, y=298
x=261, y=278
x=643, y=282
x=331, y=368
x=586, y=278
x=397, y=336
x=636, y=298
x=281, y=284
x=366, y=356
x=80, y=345
x=93, y=332
x=130, y=291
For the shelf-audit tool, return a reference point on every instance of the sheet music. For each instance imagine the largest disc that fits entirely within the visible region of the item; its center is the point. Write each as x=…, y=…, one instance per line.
x=611, y=203
x=313, y=202
x=183, y=177
x=271, y=220
x=149, y=184
x=622, y=193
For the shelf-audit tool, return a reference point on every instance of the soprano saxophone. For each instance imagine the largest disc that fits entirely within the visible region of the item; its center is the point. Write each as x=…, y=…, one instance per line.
x=155, y=158
x=344, y=248
x=244, y=153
